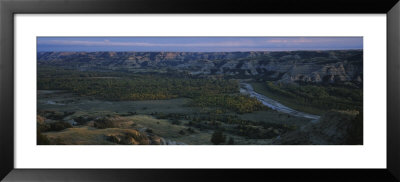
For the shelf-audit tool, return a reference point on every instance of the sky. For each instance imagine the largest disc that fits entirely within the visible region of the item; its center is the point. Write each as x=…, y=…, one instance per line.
x=196, y=44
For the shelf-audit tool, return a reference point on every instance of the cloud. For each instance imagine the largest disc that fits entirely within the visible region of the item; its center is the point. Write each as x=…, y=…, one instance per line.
x=311, y=40
x=199, y=44
x=291, y=40
x=144, y=44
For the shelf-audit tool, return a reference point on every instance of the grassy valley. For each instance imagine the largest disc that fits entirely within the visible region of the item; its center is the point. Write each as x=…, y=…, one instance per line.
x=176, y=99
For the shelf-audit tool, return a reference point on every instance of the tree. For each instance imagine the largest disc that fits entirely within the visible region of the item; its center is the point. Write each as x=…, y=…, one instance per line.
x=218, y=137
x=231, y=141
x=355, y=131
x=41, y=139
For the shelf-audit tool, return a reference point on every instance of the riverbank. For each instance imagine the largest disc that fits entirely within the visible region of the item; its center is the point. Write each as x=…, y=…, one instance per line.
x=246, y=88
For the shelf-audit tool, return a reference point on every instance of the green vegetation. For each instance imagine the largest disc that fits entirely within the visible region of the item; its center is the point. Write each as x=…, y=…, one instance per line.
x=41, y=139
x=218, y=138
x=55, y=126
x=238, y=103
x=102, y=123
x=231, y=141
x=315, y=99
x=55, y=115
x=217, y=92
x=356, y=131
x=135, y=86
x=230, y=123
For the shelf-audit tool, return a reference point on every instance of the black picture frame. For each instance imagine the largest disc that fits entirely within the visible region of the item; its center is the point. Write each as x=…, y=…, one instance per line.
x=8, y=8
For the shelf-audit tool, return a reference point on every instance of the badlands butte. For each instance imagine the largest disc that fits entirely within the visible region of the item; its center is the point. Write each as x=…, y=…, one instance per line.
x=290, y=66
x=200, y=98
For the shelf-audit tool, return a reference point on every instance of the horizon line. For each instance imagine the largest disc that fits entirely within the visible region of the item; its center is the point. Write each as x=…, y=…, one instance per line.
x=219, y=51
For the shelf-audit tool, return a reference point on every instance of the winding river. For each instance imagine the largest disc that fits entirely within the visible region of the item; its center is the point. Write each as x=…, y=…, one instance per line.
x=246, y=88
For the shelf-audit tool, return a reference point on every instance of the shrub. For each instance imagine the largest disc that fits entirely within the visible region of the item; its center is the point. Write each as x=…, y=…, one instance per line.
x=58, y=141
x=82, y=119
x=355, y=131
x=43, y=127
x=41, y=139
x=182, y=132
x=190, y=130
x=103, y=123
x=218, y=137
x=231, y=141
x=148, y=130
x=113, y=139
x=58, y=126
x=56, y=115
x=176, y=122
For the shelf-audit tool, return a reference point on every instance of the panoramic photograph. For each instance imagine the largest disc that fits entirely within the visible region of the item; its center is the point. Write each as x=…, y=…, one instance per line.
x=199, y=91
